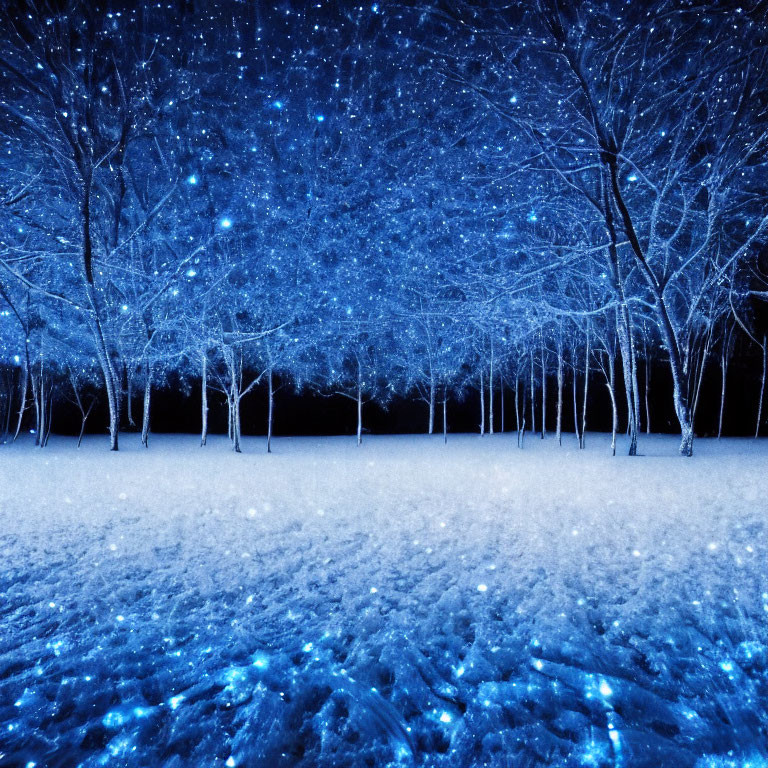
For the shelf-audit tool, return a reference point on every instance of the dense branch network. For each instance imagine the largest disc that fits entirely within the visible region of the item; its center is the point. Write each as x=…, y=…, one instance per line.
x=392, y=199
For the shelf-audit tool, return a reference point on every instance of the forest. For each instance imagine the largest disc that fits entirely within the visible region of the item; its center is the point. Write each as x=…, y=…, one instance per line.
x=382, y=201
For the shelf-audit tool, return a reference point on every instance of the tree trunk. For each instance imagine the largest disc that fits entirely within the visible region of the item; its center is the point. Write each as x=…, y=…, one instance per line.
x=559, y=421
x=8, y=406
x=146, y=411
x=543, y=389
x=575, y=400
x=236, y=424
x=270, y=409
x=679, y=383
x=501, y=400
x=445, y=414
x=647, y=395
x=533, y=397
x=359, y=409
x=48, y=420
x=129, y=396
x=611, y=381
x=38, y=398
x=490, y=395
x=233, y=397
x=629, y=371
x=24, y=387
x=762, y=392
x=108, y=373
x=700, y=375
x=517, y=402
x=80, y=407
x=482, y=404
x=204, y=401
x=723, y=381
x=83, y=418
x=582, y=443
x=623, y=324
x=431, y=425
x=96, y=327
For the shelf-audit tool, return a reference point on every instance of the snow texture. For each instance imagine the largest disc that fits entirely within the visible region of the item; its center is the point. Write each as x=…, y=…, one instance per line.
x=400, y=603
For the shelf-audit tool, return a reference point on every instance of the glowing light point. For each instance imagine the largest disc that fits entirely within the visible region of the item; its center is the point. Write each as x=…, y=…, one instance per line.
x=320, y=118
x=192, y=180
x=445, y=718
x=513, y=100
x=632, y=177
x=112, y=720
x=482, y=587
x=175, y=701
x=230, y=762
x=225, y=223
x=191, y=273
x=605, y=689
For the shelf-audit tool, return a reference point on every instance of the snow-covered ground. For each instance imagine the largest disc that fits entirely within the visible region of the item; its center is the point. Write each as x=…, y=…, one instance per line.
x=404, y=602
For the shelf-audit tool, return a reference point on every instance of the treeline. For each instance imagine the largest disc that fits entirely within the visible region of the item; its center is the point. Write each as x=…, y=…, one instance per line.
x=373, y=201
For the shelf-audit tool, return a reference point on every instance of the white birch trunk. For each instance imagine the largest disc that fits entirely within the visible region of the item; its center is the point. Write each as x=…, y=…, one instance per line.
x=24, y=387
x=533, y=397
x=614, y=408
x=762, y=392
x=431, y=425
x=559, y=418
x=647, y=396
x=445, y=414
x=359, y=406
x=490, y=395
x=543, y=390
x=129, y=397
x=723, y=382
x=270, y=410
x=582, y=443
x=501, y=400
x=517, y=403
x=575, y=401
x=146, y=410
x=482, y=404
x=204, y=401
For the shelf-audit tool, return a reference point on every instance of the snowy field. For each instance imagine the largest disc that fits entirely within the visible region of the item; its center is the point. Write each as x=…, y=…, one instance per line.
x=400, y=603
